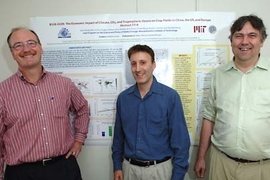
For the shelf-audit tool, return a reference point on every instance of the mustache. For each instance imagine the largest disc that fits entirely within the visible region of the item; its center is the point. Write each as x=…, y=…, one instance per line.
x=26, y=53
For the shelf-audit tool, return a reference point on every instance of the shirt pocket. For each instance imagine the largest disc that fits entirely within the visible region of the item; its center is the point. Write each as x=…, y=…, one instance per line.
x=157, y=126
x=59, y=108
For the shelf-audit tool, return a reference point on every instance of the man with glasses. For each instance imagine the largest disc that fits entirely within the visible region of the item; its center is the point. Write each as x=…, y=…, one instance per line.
x=36, y=137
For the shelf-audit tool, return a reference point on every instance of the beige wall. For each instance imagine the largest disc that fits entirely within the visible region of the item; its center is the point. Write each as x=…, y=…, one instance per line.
x=95, y=161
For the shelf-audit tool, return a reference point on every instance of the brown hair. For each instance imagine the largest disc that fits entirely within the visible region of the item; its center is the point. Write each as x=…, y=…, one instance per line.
x=141, y=48
x=255, y=21
x=17, y=29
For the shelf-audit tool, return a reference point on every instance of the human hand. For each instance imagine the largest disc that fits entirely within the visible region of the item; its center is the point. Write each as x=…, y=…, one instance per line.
x=75, y=150
x=118, y=175
x=200, y=168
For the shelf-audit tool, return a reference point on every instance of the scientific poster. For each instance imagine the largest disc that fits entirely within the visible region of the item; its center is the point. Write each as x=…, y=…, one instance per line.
x=92, y=51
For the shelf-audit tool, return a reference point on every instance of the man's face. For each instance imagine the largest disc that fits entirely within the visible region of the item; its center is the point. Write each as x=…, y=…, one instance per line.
x=142, y=67
x=29, y=54
x=246, y=43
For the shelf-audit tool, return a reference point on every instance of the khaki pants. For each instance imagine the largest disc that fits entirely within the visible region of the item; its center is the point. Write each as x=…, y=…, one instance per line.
x=162, y=171
x=224, y=168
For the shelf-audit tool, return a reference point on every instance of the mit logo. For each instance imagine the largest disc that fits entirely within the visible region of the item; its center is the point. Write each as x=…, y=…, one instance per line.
x=199, y=29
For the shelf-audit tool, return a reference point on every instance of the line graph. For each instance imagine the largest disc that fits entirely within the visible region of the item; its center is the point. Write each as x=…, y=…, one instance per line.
x=211, y=57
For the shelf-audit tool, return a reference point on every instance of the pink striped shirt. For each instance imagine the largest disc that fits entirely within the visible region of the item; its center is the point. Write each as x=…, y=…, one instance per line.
x=35, y=118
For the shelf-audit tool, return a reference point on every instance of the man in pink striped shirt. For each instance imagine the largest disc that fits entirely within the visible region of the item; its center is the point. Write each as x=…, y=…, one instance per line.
x=37, y=140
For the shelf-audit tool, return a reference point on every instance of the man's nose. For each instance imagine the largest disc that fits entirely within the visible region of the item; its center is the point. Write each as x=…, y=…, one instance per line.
x=26, y=47
x=245, y=40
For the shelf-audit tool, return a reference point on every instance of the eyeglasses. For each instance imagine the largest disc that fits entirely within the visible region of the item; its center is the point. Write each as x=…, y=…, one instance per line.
x=20, y=45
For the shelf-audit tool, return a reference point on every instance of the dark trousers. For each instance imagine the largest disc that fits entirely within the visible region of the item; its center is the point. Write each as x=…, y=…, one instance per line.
x=62, y=169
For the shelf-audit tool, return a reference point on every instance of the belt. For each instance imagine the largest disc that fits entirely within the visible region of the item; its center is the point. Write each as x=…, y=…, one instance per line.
x=144, y=163
x=46, y=161
x=240, y=160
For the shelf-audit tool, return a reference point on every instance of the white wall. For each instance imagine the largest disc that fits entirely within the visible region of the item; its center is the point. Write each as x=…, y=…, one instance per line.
x=95, y=161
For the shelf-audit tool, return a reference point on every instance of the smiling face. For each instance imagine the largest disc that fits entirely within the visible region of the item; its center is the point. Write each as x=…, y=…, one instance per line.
x=246, y=44
x=142, y=68
x=29, y=56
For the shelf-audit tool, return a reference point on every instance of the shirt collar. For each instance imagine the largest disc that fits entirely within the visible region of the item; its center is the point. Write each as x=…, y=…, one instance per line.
x=20, y=75
x=262, y=63
x=228, y=66
x=155, y=88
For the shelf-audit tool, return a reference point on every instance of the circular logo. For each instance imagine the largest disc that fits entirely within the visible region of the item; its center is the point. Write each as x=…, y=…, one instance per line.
x=64, y=32
x=212, y=29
